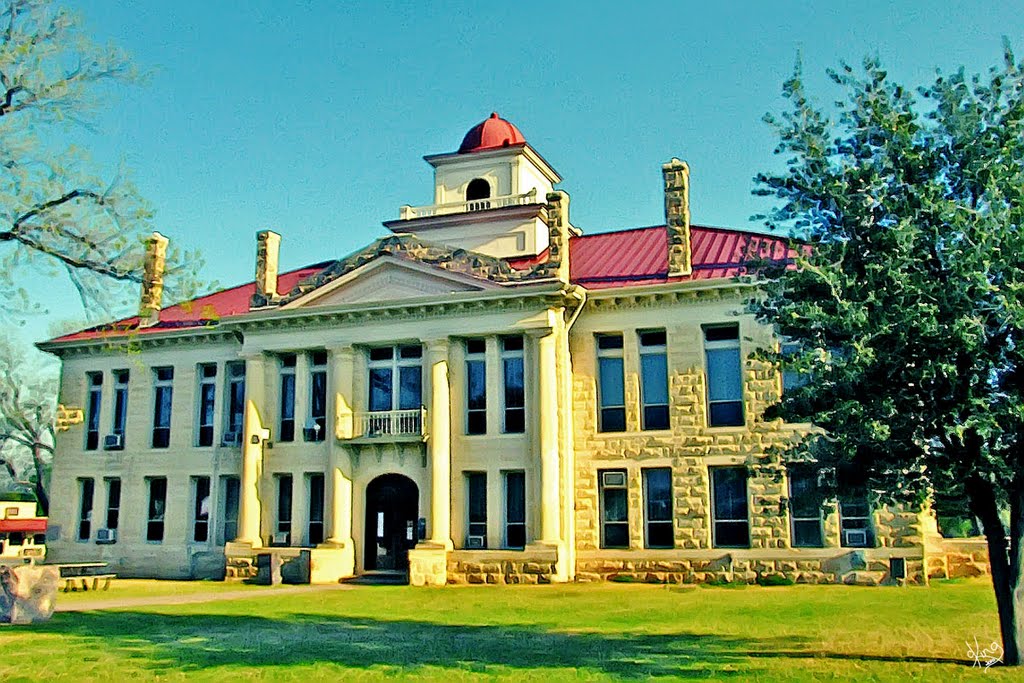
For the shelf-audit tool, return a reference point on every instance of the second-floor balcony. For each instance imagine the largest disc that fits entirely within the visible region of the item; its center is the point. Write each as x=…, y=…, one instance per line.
x=410, y=212
x=389, y=425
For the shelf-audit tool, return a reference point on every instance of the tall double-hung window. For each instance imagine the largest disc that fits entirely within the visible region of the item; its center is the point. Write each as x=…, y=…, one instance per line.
x=611, y=390
x=86, y=490
x=658, y=507
x=724, y=375
x=120, y=403
x=476, y=504
x=235, y=413
x=614, y=508
x=805, y=509
x=156, y=509
x=515, y=508
x=163, y=381
x=317, y=423
x=92, y=417
x=653, y=379
x=476, y=386
x=730, y=510
x=207, y=400
x=200, y=509
x=513, y=366
x=286, y=425
x=396, y=378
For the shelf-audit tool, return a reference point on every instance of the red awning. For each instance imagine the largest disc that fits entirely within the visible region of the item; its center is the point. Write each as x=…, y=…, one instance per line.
x=28, y=526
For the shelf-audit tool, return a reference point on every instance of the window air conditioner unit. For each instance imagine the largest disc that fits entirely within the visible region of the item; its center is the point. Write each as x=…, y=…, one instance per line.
x=106, y=535
x=475, y=542
x=232, y=439
x=113, y=442
x=855, y=537
x=281, y=538
x=613, y=479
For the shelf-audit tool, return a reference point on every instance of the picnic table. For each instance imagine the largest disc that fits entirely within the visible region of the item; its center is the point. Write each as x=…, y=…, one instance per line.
x=84, y=575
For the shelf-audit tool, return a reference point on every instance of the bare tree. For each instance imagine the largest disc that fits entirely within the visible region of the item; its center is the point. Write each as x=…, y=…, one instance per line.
x=28, y=413
x=57, y=217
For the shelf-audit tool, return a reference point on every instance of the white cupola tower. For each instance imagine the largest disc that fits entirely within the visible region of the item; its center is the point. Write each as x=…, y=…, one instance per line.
x=489, y=196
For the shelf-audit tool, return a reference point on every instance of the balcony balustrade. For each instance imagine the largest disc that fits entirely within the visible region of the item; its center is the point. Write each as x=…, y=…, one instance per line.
x=410, y=212
x=389, y=425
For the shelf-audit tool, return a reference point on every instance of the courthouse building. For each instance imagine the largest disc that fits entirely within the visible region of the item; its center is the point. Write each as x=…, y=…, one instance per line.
x=485, y=394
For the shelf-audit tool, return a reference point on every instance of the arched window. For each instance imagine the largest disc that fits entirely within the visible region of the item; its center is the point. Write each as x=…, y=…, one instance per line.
x=478, y=188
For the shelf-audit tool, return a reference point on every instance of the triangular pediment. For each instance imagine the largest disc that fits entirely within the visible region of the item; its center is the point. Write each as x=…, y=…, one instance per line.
x=388, y=278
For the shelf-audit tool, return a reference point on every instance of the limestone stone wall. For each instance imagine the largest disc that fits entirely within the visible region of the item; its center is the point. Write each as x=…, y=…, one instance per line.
x=469, y=567
x=690, y=447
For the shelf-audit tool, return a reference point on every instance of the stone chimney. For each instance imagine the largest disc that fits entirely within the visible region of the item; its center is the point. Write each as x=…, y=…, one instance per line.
x=268, y=247
x=677, y=216
x=151, y=299
x=559, y=230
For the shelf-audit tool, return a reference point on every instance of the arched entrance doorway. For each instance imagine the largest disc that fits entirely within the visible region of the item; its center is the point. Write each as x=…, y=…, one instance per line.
x=392, y=509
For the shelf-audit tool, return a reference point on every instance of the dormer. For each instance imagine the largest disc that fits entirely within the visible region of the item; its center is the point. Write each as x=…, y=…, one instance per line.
x=489, y=196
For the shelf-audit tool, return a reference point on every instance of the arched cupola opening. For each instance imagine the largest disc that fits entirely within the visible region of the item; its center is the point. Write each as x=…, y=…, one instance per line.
x=478, y=188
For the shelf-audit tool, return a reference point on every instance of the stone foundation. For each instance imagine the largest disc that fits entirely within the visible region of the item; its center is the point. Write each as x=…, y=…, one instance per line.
x=860, y=567
x=502, y=567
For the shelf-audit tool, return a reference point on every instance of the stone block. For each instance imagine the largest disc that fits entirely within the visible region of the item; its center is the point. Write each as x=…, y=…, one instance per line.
x=28, y=593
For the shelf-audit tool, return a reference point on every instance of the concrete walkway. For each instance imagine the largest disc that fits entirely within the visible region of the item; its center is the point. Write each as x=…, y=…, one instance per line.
x=143, y=601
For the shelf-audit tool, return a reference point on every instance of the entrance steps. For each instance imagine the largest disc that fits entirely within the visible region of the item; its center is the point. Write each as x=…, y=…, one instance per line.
x=379, y=579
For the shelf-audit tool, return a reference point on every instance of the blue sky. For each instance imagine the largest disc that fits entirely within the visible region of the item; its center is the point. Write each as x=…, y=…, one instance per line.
x=311, y=118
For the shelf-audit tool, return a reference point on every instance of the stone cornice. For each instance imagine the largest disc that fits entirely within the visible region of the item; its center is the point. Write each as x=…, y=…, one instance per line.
x=133, y=342
x=668, y=294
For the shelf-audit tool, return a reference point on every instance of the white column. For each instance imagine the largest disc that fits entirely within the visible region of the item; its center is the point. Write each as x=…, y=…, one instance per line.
x=342, y=380
x=439, y=443
x=547, y=435
x=254, y=434
x=339, y=531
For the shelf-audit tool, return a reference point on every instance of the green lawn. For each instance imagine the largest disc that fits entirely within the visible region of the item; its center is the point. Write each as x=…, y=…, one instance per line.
x=541, y=633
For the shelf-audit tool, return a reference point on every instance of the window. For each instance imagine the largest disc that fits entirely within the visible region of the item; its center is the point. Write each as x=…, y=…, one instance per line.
x=120, y=402
x=729, y=509
x=476, y=505
x=658, y=508
x=512, y=377
x=236, y=403
x=157, y=508
x=653, y=379
x=515, y=509
x=229, y=487
x=804, y=506
x=478, y=188
x=200, y=509
x=163, y=380
x=86, y=488
x=855, y=520
x=283, y=528
x=92, y=419
x=207, y=396
x=316, y=426
x=113, y=502
x=611, y=392
x=476, y=387
x=405, y=362
x=614, y=509
x=792, y=379
x=315, y=486
x=724, y=375
x=286, y=428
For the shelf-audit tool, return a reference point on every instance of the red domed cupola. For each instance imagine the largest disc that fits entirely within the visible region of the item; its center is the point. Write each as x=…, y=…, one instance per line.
x=493, y=133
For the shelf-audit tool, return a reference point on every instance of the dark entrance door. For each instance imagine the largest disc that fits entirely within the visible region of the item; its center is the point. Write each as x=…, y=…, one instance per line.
x=392, y=507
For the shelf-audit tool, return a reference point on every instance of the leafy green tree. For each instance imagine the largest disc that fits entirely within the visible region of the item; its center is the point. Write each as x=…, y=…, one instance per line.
x=58, y=217
x=907, y=302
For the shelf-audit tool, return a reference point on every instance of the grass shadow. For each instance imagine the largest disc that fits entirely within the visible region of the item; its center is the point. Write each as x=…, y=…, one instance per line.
x=165, y=643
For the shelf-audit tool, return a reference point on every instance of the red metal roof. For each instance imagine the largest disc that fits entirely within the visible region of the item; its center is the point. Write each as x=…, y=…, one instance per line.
x=640, y=256
x=31, y=525
x=198, y=312
x=491, y=133
x=626, y=258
